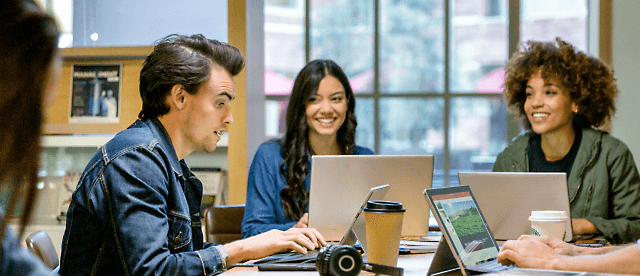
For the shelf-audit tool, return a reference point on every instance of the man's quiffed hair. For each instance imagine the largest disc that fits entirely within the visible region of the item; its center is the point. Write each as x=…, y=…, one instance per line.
x=588, y=81
x=185, y=60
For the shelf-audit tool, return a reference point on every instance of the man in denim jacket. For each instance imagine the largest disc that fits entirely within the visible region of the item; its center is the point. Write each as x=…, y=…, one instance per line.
x=136, y=208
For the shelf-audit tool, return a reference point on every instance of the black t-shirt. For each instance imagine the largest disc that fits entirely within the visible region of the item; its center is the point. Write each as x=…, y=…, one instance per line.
x=538, y=162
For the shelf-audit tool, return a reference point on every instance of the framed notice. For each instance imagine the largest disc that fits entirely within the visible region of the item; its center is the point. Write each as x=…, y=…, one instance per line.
x=95, y=93
x=214, y=185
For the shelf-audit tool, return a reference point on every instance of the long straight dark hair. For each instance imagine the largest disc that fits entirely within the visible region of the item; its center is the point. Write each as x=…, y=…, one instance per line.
x=296, y=142
x=28, y=43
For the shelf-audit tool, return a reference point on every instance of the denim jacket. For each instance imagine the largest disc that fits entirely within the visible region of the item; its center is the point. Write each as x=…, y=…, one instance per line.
x=136, y=211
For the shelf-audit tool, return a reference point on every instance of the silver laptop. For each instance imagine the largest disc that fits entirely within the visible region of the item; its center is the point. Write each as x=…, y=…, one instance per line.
x=294, y=261
x=507, y=199
x=467, y=243
x=465, y=234
x=339, y=181
x=356, y=230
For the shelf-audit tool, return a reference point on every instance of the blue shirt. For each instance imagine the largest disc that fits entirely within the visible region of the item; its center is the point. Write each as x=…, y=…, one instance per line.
x=263, y=210
x=136, y=211
x=15, y=259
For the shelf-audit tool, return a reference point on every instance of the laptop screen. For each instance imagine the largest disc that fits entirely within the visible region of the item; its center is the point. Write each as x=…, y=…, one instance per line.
x=464, y=224
x=519, y=193
x=338, y=183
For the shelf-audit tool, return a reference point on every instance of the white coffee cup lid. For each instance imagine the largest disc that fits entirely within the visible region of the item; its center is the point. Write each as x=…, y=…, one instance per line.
x=548, y=215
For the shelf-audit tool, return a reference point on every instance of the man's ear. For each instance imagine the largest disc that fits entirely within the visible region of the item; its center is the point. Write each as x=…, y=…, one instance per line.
x=177, y=96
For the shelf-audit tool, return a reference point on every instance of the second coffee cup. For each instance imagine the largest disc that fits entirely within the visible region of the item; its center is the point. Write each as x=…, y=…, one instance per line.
x=549, y=223
x=383, y=222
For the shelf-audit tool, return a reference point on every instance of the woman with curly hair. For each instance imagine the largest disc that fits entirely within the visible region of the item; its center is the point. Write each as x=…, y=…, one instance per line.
x=320, y=120
x=562, y=95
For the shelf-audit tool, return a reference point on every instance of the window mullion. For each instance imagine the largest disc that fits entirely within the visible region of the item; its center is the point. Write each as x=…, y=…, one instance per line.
x=307, y=31
x=514, y=38
x=447, y=99
x=376, y=76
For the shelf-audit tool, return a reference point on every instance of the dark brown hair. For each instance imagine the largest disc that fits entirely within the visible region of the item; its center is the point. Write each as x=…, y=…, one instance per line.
x=28, y=43
x=296, y=141
x=185, y=60
x=588, y=81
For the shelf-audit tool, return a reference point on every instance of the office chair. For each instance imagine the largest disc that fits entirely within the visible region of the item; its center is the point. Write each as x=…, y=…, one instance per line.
x=223, y=224
x=40, y=244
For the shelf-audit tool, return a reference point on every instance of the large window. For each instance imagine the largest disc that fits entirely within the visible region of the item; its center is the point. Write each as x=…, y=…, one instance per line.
x=427, y=74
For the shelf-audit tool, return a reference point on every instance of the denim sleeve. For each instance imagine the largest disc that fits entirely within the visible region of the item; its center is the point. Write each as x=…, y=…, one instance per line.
x=263, y=194
x=137, y=213
x=363, y=151
x=15, y=259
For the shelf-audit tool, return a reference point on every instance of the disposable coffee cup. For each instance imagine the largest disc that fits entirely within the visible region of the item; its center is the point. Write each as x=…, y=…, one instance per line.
x=383, y=223
x=549, y=223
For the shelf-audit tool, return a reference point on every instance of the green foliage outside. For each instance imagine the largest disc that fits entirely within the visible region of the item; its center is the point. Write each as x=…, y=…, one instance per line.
x=468, y=224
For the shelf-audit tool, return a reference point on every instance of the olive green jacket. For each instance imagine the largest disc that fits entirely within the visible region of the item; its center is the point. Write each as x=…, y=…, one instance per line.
x=604, y=184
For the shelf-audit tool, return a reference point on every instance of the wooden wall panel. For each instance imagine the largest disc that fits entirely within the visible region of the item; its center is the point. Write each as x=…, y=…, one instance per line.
x=237, y=151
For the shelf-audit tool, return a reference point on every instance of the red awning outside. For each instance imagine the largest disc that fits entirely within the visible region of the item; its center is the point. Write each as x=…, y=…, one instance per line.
x=493, y=82
x=275, y=84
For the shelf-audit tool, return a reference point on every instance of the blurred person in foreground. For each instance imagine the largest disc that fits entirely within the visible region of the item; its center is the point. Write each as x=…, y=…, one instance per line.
x=562, y=95
x=136, y=209
x=550, y=253
x=29, y=78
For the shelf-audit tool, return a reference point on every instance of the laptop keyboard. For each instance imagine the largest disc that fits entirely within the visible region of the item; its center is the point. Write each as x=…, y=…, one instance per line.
x=290, y=257
x=491, y=266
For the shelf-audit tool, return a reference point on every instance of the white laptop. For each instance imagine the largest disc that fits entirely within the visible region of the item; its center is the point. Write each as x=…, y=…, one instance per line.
x=339, y=181
x=507, y=199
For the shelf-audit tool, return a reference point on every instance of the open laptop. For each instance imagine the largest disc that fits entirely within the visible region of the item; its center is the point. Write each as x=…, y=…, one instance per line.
x=338, y=181
x=467, y=243
x=507, y=199
x=466, y=235
x=356, y=230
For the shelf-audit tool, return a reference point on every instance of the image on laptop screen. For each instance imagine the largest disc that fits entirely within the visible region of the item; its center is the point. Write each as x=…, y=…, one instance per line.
x=465, y=226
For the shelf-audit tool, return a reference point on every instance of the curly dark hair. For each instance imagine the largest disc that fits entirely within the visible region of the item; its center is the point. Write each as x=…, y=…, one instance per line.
x=296, y=141
x=29, y=46
x=588, y=81
x=185, y=60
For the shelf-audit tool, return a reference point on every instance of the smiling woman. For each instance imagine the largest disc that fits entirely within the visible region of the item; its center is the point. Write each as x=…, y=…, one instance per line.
x=326, y=112
x=320, y=120
x=562, y=94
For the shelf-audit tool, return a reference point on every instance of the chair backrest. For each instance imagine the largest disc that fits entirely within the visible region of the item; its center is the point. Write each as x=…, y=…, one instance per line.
x=223, y=224
x=41, y=245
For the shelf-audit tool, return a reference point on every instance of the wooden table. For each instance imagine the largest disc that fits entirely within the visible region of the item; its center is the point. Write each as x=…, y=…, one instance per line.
x=413, y=264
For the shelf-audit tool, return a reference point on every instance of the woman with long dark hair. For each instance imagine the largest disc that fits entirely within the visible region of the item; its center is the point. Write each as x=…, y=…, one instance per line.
x=320, y=121
x=29, y=78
